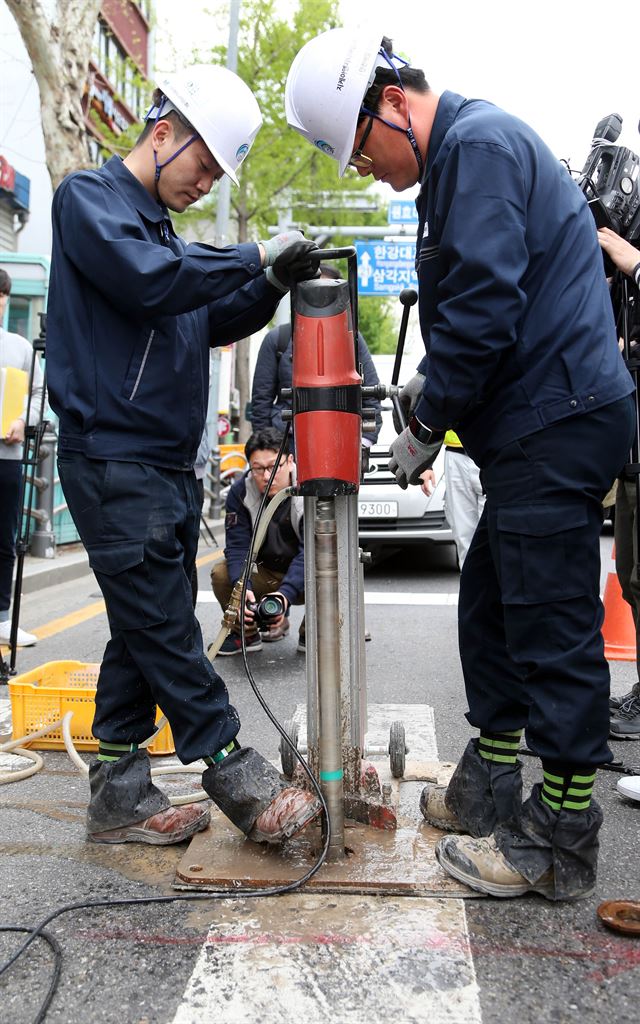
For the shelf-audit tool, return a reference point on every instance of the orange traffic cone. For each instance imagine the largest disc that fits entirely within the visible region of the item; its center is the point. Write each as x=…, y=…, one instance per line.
x=618, y=628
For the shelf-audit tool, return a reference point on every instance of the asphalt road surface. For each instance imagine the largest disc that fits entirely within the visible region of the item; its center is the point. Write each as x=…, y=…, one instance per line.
x=473, y=961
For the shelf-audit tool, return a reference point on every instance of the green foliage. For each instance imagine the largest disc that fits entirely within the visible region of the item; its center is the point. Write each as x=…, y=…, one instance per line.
x=282, y=171
x=377, y=324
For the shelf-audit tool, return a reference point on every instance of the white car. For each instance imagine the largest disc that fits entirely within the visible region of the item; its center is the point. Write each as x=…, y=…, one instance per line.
x=390, y=516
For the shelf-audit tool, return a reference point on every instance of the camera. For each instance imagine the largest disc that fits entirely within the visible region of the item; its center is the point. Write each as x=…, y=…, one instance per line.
x=267, y=609
x=610, y=181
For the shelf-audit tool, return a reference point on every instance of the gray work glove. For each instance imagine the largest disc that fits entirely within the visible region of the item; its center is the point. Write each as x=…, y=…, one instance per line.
x=409, y=397
x=295, y=263
x=410, y=458
x=274, y=246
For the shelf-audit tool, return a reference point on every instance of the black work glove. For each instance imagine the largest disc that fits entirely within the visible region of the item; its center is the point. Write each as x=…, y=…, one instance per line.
x=294, y=264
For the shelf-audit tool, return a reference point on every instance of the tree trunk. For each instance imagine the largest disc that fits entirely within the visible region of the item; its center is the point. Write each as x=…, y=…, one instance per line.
x=59, y=47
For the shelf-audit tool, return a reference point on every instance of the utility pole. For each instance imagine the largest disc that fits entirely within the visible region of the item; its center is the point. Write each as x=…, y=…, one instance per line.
x=222, y=238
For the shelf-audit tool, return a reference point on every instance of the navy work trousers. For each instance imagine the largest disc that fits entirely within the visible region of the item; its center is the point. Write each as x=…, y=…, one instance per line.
x=10, y=488
x=139, y=524
x=530, y=613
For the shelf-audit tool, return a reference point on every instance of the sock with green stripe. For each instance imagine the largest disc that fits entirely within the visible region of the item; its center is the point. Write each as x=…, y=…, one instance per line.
x=114, y=751
x=220, y=756
x=500, y=747
x=567, y=787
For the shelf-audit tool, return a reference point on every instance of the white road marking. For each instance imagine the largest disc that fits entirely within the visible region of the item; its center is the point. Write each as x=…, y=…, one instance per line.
x=392, y=597
x=377, y=597
x=336, y=959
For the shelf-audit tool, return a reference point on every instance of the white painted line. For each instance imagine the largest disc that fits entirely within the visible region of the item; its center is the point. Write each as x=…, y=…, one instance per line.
x=320, y=958
x=342, y=959
x=391, y=597
x=376, y=597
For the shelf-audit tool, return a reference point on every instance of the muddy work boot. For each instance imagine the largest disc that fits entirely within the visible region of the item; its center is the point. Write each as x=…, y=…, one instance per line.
x=483, y=867
x=482, y=792
x=435, y=811
x=171, y=826
x=287, y=814
x=252, y=794
x=126, y=807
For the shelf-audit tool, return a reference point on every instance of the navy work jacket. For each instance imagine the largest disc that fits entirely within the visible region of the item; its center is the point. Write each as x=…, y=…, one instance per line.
x=132, y=312
x=514, y=305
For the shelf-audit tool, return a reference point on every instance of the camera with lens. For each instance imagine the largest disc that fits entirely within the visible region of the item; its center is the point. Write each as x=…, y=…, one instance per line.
x=610, y=181
x=268, y=609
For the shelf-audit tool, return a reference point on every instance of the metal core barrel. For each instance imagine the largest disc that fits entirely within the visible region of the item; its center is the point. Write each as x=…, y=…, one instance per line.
x=328, y=652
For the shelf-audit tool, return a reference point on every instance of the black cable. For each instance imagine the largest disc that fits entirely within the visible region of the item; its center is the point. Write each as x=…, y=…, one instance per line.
x=263, y=704
x=280, y=890
x=57, y=967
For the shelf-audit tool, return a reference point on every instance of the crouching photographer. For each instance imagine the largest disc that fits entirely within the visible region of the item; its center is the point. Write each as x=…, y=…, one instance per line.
x=277, y=580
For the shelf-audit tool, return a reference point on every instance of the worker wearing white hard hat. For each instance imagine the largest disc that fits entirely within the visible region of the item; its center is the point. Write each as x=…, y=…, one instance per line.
x=133, y=313
x=521, y=360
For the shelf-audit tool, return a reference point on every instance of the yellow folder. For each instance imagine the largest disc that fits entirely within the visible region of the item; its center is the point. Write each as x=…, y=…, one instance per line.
x=13, y=392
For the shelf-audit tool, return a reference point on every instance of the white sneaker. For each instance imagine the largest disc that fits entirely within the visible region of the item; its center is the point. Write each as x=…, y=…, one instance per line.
x=629, y=786
x=23, y=638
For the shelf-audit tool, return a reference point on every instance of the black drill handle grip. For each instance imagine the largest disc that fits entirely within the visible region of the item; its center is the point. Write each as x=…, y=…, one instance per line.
x=408, y=298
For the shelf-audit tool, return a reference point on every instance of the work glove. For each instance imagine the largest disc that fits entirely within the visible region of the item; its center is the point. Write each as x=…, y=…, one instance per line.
x=294, y=264
x=274, y=246
x=409, y=397
x=410, y=457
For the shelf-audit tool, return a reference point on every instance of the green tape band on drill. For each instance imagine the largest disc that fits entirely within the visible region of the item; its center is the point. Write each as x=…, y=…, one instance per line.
x=331, y=776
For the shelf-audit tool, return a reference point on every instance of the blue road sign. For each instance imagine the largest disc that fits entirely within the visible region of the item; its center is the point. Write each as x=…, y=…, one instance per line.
x=402, y=211
x=385, y=268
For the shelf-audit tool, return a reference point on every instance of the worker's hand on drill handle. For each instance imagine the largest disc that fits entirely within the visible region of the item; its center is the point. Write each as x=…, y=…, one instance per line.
x=409, y=397
x=410, y=457
x=273, y=247
x=294, y=264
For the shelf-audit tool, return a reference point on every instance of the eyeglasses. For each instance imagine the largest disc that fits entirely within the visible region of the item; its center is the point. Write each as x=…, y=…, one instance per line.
x=261, y=470
x=358, y=158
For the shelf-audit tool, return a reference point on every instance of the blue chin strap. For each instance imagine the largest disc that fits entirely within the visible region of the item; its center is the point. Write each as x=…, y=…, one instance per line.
x=163, y=103
x=396, y=127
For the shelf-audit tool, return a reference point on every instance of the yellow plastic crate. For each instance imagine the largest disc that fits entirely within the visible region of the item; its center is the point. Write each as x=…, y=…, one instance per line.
x=48, y=692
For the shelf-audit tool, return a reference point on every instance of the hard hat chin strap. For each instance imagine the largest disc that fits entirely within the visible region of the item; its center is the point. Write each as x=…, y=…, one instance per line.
x=405, y=131
x=174, y=155
x=161, y=106
x=389, y=60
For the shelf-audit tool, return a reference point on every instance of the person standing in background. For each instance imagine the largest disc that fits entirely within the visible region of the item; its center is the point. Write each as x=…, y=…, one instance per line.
x=16, y=353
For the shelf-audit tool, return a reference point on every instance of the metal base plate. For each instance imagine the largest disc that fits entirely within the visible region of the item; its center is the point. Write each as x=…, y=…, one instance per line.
x=400, y=862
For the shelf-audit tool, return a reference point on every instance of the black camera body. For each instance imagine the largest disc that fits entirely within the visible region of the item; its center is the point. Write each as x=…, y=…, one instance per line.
x=610, y=181
x=267, y=609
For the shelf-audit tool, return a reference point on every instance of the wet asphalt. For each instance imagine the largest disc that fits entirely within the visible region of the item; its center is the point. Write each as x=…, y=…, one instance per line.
x=535, y=961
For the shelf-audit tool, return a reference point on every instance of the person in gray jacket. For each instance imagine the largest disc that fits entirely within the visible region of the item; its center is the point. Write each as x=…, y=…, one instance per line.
x=15, y=353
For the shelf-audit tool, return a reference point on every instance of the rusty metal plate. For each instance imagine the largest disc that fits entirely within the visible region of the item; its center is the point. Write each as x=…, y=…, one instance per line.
x=385, y=862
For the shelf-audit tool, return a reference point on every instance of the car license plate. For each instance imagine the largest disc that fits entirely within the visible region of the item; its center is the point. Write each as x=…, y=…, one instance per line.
x=378, y=509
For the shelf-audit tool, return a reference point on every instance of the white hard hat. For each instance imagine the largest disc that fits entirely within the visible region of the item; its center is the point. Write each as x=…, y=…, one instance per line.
x=326, y=85
x=221, y=108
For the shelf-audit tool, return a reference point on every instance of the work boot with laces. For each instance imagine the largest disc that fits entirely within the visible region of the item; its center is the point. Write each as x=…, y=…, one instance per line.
x=483, y=867
x=173, y=825
x=625, y=723
x=435, y=811
x=616, y=702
